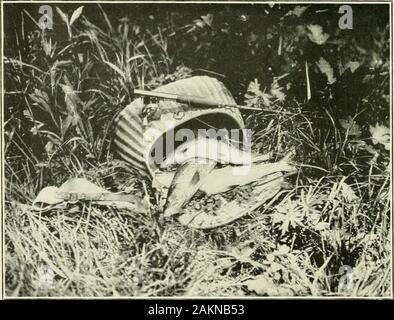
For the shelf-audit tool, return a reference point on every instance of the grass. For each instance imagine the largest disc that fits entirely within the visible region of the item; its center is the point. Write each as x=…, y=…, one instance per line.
x=63, y=90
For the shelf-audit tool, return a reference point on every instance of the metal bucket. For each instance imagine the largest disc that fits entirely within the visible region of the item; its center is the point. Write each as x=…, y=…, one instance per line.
x=137, y=134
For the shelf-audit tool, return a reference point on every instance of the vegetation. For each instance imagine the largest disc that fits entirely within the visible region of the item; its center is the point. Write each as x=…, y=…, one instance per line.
x=324, y=91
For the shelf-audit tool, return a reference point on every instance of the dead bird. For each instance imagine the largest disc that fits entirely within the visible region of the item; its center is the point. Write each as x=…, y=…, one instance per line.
x=210, y=149
x=185, y=183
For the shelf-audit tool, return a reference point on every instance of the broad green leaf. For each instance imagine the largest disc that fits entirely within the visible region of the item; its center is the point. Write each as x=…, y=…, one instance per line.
x=316, y=34
x=380, y=134
x=353, y=65
x=326, y=69
x=298, y=11
x=208, y=19
x=352, y=128
x=63, y=15
x=76, y=15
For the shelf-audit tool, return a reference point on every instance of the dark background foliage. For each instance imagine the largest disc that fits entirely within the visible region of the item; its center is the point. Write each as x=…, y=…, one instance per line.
x=237, y=44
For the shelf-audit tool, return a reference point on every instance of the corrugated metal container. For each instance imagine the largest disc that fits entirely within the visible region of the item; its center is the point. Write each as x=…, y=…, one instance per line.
x=136, y=135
